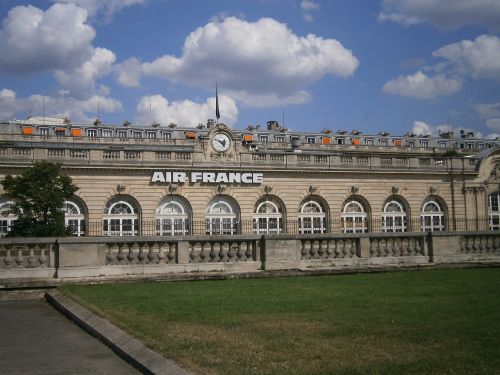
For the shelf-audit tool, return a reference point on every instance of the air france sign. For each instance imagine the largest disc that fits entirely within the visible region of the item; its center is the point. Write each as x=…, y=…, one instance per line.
x=207, y=177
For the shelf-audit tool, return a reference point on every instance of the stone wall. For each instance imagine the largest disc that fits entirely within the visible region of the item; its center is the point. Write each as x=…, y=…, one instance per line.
x=100, y=257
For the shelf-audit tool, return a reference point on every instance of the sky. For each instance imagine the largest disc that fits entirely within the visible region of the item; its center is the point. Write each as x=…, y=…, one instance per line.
x=422, y=66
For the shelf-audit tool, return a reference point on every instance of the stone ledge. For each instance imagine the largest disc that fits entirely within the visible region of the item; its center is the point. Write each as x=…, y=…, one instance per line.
x=127, y=347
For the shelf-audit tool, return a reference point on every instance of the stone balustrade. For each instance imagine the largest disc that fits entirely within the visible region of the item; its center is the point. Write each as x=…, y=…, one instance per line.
x=77, y=257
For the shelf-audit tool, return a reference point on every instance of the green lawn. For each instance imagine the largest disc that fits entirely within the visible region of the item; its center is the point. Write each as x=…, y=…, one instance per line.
x=428, y=322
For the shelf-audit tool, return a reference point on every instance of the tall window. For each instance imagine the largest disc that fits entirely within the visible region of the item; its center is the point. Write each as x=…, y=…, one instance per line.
x=121, y=218
x=354, y=218
x=493, y=211
x=74, y=218
x=268, y=218
x=432, y=216
x=7, y=218
x=222, y=216
x=394, y=218
x=172, y=217
x=312, y=218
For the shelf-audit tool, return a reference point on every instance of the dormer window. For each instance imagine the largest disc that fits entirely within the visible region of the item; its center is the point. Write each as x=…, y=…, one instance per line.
x=151, y=134
x=383, y=142
x=166, y=135
x=92, y=133
x=263, y=138
x=122, y=134
x=43, y=131
x=279, y=138
x=311, y=140
x=137, y=134
x=106, y=133
x=424, y=144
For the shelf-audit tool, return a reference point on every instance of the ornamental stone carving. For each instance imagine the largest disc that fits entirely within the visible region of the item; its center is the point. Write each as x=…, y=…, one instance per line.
x=394, y=190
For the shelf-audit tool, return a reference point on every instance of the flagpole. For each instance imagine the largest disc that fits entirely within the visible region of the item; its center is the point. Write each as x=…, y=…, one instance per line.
x=217, y=113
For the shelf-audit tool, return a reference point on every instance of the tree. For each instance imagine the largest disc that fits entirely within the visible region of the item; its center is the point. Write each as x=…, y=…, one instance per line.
x=39, y=193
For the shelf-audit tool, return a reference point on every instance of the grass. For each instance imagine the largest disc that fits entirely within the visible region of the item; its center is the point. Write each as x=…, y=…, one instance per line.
x=429, y=322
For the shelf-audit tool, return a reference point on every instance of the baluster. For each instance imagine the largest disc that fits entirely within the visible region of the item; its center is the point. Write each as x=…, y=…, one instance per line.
x=475, y=247
x=162, y=248
x=373, y=247
x=205, y=251
x=31, y=256
x=389, y=247
x=42, y=258
x=396, y=248
x=482, y=244
x=141, y=256
x=151, y=254
x=463, y=245
x=404, y=246
x=214, y=252
x=195, y=252
x=121, y=254
x=496, y=244
x=418, y=249
x=341, y=248
x=243, y=249
x=330, y=248
x=171, y=252
x=110, y=257
x=347, y=249
x=323, y=245
x=8, y=257
x=306, y=247
x=489, y=244
x=382, y=247
x=131, y=257
x=240, y=251
x=354, y=248
x=313, y=252
x=222, y=253
x=19, y=258
x=231, y=252
x=249, y=251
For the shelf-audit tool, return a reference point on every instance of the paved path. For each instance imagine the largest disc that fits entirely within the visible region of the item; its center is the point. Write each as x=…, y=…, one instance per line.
x=36, y=339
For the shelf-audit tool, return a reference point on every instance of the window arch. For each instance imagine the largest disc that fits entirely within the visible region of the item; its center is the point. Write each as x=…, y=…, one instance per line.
x=268, y=217
x=74, y=218
x=121, y=217
x=312, y=217
x=494, y=210
x=354, y=217
x=172, y=217
x=7, y=217
x=432, y=216
x=394, y=217
x=222, y=216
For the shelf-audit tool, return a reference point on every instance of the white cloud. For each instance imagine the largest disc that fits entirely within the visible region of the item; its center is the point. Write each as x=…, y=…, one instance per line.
x=33, y=40
x=58, y=106
x=488, y=110
x=443, y=13
x=493, y=123
x=249, y=60
x=105, y=7
x=422, y=128
x=184, y=113
x=479, y=58
x=420, y=85
x=308, y=5
x=81, y=81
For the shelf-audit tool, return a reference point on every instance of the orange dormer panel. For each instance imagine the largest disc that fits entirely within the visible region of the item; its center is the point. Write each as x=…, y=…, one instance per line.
x=356, y=141
x=190, y=135
x=248, y=138
x=27, y=130
x=397, y=142
x=326, y=140
x=76, y=132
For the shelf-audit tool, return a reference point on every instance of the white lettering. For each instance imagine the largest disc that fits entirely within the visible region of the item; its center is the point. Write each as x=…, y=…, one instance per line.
x=158, y=177
x=221, y=177
x=258, y=178
x=178, y=177
x=246, y=178
x=195, y=176
x=234, y=178
x=209, y=177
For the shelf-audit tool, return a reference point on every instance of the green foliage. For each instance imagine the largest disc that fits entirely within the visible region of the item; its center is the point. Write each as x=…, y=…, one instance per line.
x=39, y=192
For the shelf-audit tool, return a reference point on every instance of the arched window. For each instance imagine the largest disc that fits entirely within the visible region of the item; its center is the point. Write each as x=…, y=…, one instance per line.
x=172, y=217
x=312, y=218
x=7, y=217
x=394, y=218
x=222, y=216
x=494, y=211
x=74, y=218
x=121, y=217
x=268, y=218
x=432, y=216
x=354, y=218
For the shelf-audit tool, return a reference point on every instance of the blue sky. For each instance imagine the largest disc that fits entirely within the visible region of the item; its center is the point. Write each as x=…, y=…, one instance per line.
x=394, y=65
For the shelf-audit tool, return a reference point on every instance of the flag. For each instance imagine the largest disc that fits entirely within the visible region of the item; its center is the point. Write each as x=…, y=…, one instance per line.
x=217, y=113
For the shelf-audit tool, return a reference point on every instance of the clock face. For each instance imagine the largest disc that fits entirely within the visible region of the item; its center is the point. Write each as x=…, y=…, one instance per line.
x=221, y=142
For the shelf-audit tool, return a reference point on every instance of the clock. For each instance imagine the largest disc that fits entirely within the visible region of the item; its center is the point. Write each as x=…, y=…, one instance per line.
x=221, y=142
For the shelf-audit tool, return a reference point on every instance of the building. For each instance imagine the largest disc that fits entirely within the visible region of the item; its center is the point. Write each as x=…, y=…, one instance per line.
x=214, y=180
